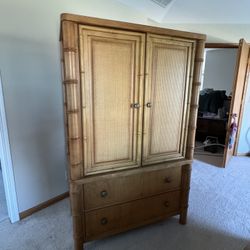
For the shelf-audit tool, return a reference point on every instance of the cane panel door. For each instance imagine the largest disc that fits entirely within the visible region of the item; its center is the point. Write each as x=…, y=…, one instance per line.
x=167, y=97
x=112, y=68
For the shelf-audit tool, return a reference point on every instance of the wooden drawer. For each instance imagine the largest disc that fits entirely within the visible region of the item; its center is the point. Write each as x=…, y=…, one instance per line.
x=111, y=191
x=110, y=220
x=122, y=189
x=161, y=181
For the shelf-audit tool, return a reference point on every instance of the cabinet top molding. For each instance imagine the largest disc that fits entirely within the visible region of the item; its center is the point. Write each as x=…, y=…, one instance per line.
x=129, y=26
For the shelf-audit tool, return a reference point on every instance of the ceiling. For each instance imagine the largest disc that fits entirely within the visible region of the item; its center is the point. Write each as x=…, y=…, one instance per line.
x=194, y=11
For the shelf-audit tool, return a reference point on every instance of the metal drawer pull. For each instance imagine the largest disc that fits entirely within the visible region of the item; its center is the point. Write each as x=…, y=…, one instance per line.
x=104, y=193
x=104, y=221
x=149, y=105
x=166, y=204
x=167, y=180
x=135, y=105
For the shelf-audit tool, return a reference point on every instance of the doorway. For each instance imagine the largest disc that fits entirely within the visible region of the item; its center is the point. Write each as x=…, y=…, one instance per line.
x=214, y=104
x=220, y=115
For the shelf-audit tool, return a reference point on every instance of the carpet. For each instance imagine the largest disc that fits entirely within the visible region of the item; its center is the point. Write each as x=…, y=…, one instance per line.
x=218, y=219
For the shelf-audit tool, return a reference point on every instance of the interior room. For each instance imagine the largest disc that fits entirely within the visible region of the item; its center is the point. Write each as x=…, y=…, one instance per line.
x=108, y=139
x=214, y=104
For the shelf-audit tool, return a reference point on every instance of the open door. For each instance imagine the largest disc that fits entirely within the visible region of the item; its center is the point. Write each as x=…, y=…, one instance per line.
x=237, y=100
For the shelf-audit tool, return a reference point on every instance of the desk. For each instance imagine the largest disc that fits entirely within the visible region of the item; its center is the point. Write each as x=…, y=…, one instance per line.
x=211, y=127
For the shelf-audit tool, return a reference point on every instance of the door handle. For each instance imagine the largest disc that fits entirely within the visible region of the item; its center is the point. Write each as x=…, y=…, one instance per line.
x=149, y=105
x=135, y=105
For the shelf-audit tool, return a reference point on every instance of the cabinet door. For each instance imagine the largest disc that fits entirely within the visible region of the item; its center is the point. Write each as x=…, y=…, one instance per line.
x=167, y=96
x=111, y=67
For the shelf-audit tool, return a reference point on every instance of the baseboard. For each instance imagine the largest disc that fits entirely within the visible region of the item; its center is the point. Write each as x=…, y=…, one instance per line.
x=243, y=154
x=43, y=205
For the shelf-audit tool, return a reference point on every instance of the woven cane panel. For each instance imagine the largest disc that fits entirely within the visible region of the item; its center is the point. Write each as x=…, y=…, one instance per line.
x=168, y=89
x=112, y=64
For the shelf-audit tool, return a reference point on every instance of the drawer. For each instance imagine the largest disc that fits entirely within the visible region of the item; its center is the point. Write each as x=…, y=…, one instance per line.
x=161, y=181
x=148, y=209
x=110, y=220
x=111, y=191
x=102, y=221
x=123, y=189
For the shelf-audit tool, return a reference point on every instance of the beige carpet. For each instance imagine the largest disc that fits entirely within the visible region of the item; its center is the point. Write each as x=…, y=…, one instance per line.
x=219, y=219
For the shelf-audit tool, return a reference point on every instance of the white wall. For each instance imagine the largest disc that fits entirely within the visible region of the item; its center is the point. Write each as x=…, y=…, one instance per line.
x=30, y=66
x=221, y=33
x=219, y=69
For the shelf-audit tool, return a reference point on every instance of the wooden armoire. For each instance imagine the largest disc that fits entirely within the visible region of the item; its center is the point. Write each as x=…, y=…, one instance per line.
x=130, y=96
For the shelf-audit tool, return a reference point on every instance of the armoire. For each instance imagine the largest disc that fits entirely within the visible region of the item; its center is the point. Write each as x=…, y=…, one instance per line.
x=130, y=101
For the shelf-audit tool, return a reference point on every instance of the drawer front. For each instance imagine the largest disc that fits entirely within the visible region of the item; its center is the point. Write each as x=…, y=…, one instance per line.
x=115, y=219
x=149, y=209
x=123, y=189
x=161, y=181
x=115, y=190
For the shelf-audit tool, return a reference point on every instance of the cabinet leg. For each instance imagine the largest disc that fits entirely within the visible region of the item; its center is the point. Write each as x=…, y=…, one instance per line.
x=183, y=217
x=78, y=244
x=77, y=215
x=185, y=183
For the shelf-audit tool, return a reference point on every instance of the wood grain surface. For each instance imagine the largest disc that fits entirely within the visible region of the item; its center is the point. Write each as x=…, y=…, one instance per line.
x=130, y=102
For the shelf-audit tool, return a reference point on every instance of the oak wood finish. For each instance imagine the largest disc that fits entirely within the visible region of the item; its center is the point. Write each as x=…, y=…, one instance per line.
x=161, y=181
x=130, y=26
x=148, y=169
x=131, y=99
x=185, y=184
x=237, y=97
x=186, y=169
x=113, y=191
x=76, y=211
x=241, y=112
x=109, y=220
x=72, y=98
x=72, y=107
x=127, y=188
x=197, y=70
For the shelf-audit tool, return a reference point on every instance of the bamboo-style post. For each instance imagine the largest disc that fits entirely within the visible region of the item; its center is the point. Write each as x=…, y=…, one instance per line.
x=72, y=98
x=72, y=105
x=186, y=169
